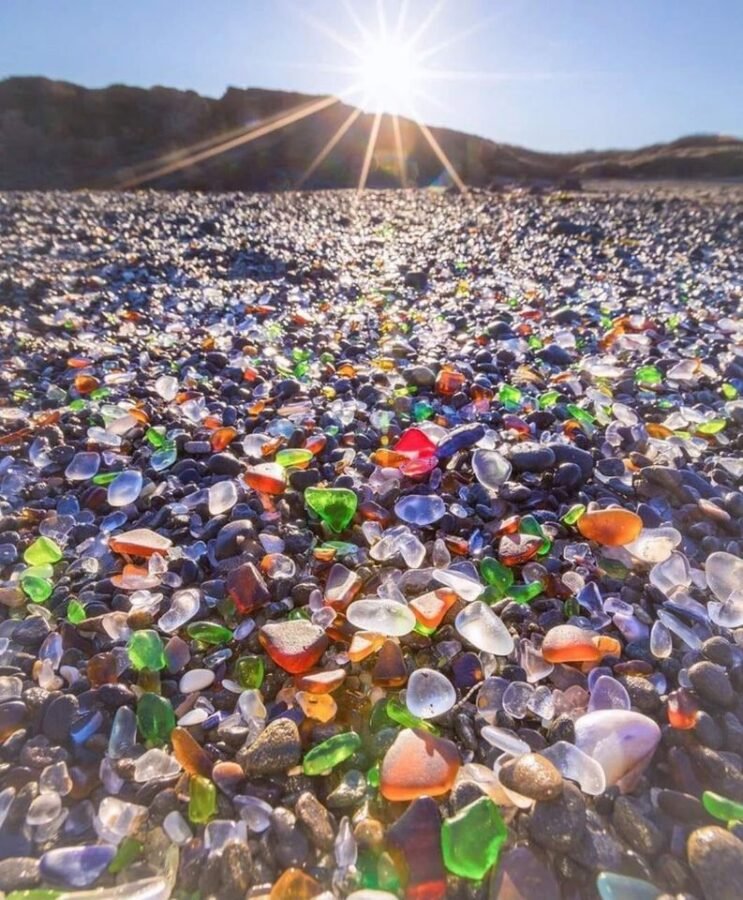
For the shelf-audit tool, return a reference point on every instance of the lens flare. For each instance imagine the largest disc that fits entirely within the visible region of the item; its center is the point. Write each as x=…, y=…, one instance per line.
x=388, y=72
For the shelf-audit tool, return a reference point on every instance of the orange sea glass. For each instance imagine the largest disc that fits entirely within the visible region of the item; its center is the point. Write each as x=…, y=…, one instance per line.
x=449, y=382
x=320, y=707
x=515, y=549
x=418, y=764
x=296, y=646
x=682, y=710
x=430, y=608
x=568, y=643
x=222, y=438
x=293, y=884
x=363, y=644
x=321, y=682
x=266, y=478
x=190, y=754
x=84, y=384
x=610, y=527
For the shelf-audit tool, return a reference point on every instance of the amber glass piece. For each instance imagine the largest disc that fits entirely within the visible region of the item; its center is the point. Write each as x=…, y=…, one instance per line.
x=414, y=841
x=266, y=478
x=295, y=645
x=568, y=643
x=363, y=644
x=84, y=384
x=79, y=362
x=388, y=458
x=515, y=549
x=418, y=764
x=682, y=710
x=509, y=525
x=390, y=670
x=190, y=754
x=316, y=443
x=320, y=707
x=656, y=430
x=610, y=527
x=456, y=545
x=101, y=669
x=293, y=884
x=430, y=608
x=449, y=382
x=222, y=438
x=322, y=682
x=373, y=512
x=247, y=588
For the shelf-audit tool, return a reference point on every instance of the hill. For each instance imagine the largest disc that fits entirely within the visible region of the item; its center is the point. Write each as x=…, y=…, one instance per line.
x=56, y=135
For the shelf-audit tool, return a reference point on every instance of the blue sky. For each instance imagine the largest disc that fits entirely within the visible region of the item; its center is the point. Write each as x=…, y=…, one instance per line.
x=546, y=74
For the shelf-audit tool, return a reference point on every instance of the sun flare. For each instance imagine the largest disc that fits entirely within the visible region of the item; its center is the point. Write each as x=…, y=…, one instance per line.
x=389, y=72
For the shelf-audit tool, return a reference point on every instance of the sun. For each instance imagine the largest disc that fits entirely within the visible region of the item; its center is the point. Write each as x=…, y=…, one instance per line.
x=389, y=72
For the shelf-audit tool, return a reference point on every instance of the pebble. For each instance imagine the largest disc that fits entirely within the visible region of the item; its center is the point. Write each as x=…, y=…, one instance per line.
x=712, y=683
x=532, y=776
x=20, y=873
x=716, y=859
x=559, y=824
x=307, y=512
x=276, y=749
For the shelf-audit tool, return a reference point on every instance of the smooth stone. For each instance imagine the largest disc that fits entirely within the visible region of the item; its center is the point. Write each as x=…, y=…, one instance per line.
x=568, y=453
x=196, y=680
x=621, y=741
x=712, y=683
x=532, y=775
x=19, y=873
x=59, y=717
x=316, y=819
x=532, y=458
x=635, y=824
x=560, y=824
x=716, y=859
x=277, y=748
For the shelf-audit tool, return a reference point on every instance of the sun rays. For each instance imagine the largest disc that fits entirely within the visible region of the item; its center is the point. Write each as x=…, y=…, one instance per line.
x=387, y=65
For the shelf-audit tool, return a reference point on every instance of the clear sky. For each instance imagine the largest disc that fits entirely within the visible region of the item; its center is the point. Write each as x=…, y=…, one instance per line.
x=546, y=74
